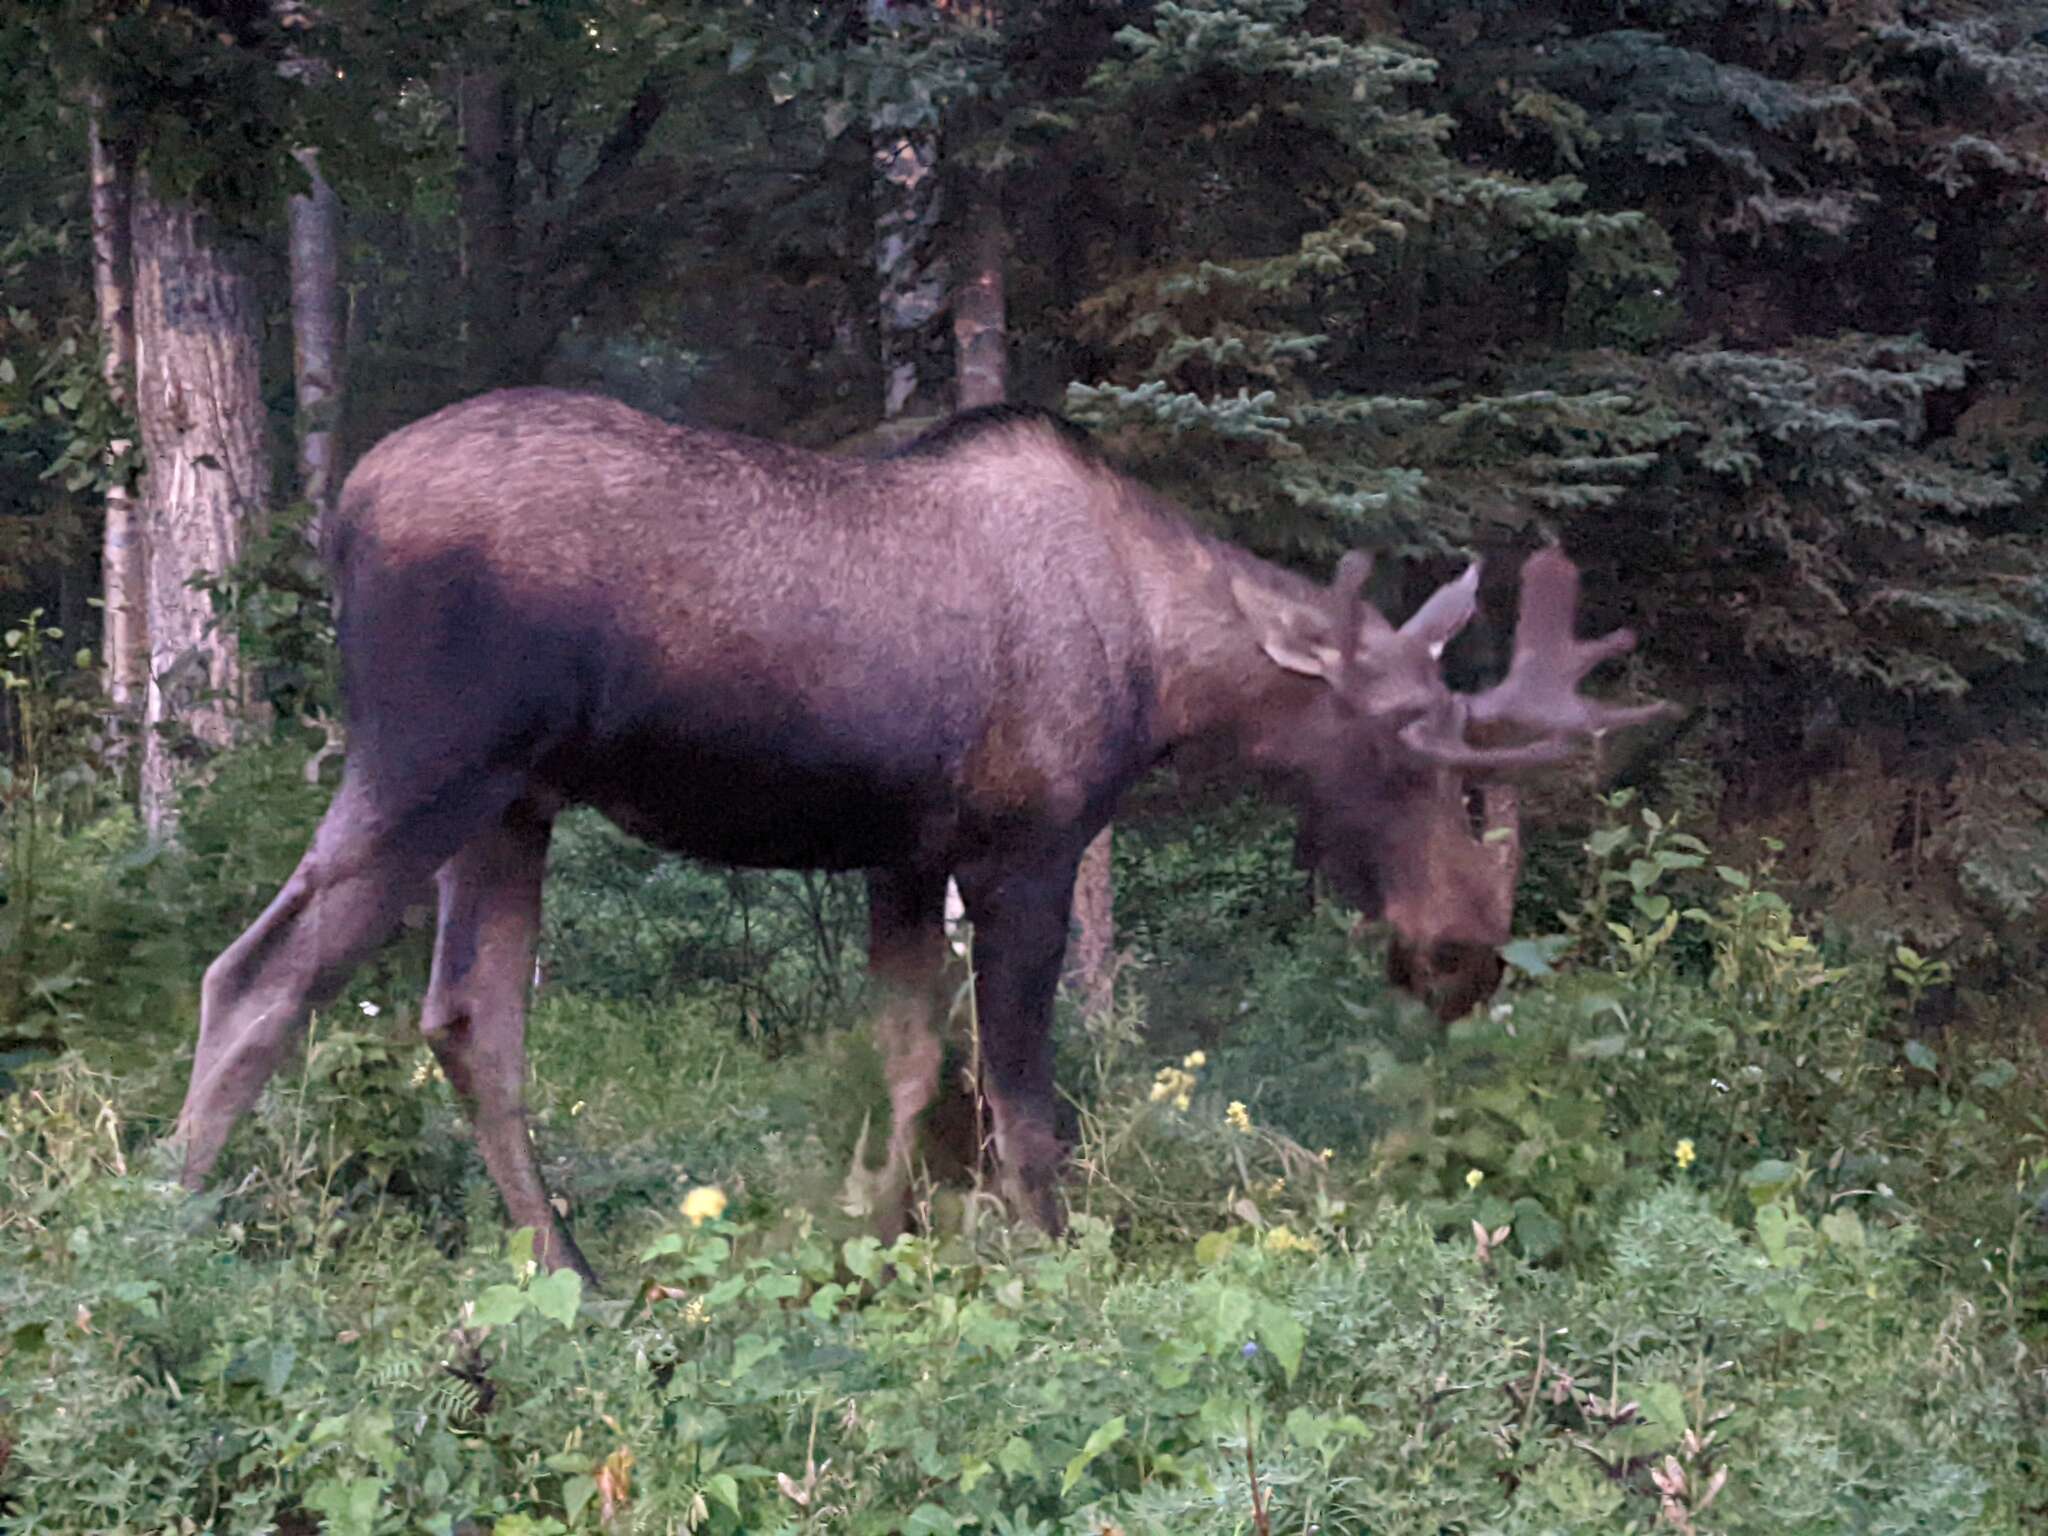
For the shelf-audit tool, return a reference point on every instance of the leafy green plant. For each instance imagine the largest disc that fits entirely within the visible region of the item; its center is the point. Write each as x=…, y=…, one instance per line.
x=51, y=781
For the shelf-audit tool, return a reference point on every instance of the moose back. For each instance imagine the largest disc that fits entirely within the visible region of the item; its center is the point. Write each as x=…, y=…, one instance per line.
x=950, y=660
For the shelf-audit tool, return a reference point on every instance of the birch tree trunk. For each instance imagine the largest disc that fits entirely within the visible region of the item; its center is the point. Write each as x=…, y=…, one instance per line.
x=199, y=401
x=314, y=218
x=317, y=354
x=124, y=573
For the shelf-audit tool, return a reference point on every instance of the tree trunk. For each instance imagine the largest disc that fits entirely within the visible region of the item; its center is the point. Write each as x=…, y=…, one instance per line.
x=318, y=349
x=199, y=401
x=124, y=642
x=487, y=185
x=909, y=269
x=981, y=340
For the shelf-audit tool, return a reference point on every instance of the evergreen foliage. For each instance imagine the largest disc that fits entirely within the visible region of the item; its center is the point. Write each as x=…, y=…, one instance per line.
x=1742, y=305
x=1282, y=335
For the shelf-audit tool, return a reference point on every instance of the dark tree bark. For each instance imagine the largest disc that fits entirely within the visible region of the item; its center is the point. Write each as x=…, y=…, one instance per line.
x=910, y=269
x=523, y=287
x=487, y=185
x=199, y=401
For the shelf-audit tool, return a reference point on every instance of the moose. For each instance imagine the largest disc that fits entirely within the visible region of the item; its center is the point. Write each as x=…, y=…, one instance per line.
x=950, y=659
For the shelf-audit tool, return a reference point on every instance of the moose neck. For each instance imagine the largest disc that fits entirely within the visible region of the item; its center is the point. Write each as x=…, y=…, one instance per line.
x=1217, y=689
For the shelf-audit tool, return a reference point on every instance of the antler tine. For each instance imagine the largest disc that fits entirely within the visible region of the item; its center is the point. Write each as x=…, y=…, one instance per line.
x=1446, y=612
x=1539, y=697
x=1348, y=588
x=1540, y=692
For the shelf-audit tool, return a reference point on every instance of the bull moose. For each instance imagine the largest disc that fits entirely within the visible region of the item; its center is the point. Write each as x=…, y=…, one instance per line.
x=953, y=658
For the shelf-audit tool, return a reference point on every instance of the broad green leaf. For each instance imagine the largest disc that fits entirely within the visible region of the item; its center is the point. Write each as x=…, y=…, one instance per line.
x=825, y=1300
x=1016, y=1458
x=349, y=1504
x=557, y=1296
x=1536, y=957
x=577, y=1493
x=1663, y=1408
x=725, y=1488
x=1607, y=839
x=864, y=1257
x=1104, y=1437
x=498, y=1305
x=1283, y=1334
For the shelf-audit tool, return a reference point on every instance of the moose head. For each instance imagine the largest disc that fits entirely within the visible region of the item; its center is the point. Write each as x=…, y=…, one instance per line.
x=1407, y=788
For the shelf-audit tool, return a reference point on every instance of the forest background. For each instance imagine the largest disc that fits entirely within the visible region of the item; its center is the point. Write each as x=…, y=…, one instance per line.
x=1742, y=302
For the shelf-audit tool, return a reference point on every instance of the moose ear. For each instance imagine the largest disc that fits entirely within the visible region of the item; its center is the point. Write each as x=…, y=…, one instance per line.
x=1296, y=635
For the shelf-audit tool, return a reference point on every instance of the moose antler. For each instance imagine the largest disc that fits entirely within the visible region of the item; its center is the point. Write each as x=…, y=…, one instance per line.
x=1540, y=694
x=1400, y=664
x=1347, y=591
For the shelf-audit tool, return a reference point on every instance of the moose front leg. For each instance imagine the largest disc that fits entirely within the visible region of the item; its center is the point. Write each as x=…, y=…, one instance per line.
x=906, y=960
x=1020, y=939
x=344, y=899
x=475, y=1012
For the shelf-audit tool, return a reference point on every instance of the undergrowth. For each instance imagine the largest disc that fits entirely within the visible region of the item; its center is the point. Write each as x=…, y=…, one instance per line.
x=1691, y=1231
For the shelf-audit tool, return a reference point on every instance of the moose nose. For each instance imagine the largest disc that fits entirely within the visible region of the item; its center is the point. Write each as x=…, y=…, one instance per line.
x=1450, y=976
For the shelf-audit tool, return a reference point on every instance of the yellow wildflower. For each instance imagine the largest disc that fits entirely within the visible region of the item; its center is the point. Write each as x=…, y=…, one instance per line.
x=1329, y=1153
x=1684, y=1152
x=1287, y=1240
x=1239, y=1117
x=1173, y=1084
x=1474, y=1179
x=704, y=1203
x=1194, y=1061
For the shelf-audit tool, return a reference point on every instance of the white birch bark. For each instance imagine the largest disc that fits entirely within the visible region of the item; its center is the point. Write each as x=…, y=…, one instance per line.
x=124, y=552
x=199, y=401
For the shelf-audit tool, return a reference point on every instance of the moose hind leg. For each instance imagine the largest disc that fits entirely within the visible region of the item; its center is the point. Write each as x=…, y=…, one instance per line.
x=1020, y=934
x=342, y=902
x=906, y=958
x=475, y=1013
